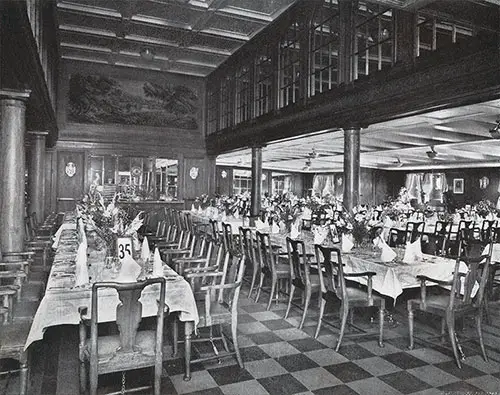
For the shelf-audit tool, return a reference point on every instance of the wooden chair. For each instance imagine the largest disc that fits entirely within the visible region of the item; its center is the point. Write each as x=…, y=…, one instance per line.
x=268, y=256
x=436, y=242
x=220, y=306
x=130, y=348
x=399, y=237
x=465, y=298
x=487, y=230
x=229, y=240
x=248, y=249
x=301, y=275
x=199, y=259
x=333, y=282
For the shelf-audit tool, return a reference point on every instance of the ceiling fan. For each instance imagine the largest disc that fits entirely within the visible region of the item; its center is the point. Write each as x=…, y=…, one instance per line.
x=432, y=153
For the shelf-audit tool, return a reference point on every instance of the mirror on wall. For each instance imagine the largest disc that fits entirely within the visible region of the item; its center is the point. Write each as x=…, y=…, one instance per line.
x=135, y=178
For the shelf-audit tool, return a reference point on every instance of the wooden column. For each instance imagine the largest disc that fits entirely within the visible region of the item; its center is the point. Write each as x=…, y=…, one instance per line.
x=12, y=157
x=351, y=167
x=256, y=182
x=36, y=175
x=347, y=9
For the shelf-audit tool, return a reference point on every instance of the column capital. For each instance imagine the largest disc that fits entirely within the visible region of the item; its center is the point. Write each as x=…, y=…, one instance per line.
x=13, y=94
x=38, y=133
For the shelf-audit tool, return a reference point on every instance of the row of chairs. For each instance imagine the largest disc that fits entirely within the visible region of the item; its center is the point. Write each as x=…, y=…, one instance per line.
x=323, y=273
x=215, y=275
x=22, y=277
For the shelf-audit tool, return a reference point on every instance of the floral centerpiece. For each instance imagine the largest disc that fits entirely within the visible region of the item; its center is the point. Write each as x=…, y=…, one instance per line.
x=284, y=210
x=484, y=208
x=108, y=221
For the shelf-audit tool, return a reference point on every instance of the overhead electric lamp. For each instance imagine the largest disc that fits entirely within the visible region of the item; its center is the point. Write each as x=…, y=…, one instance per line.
x=147, y=54
x=495, y=131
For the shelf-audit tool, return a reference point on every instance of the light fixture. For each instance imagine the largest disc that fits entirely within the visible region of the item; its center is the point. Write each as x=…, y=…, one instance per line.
x=313, y=154
x=495, y=131
x=147, y=54
x=432, y=153
x=307, y=165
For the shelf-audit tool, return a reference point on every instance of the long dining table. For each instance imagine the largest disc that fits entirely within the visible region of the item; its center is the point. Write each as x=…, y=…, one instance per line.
x=62, y=300
x=391, y=278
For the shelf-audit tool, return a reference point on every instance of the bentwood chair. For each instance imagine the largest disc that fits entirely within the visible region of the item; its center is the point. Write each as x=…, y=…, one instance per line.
x=270, y=267
x=466, y=297
x=219, y=306
x=301, y=275
x=248, y=247
x=130, y=348
x=334, y=286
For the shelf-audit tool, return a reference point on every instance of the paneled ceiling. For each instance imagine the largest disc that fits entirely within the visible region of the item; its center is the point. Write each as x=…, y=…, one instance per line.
x=459, y=137
x=180, y=36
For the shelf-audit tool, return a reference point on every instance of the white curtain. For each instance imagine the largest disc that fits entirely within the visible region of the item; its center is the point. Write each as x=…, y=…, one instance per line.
x=414, y=186
x=426, y=186
x=323, y=184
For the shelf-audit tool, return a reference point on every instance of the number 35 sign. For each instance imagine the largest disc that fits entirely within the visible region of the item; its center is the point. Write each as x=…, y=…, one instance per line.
x=124, y=247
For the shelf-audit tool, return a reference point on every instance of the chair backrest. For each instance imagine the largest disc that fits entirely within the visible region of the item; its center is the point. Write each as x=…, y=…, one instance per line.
x=299, y=264
x=227, y=236
x=413, y=231
x=264, y=252
x=487, y=229
x=330, y=259
x=215, y=229
x=232, y=279
x=128, y=314
x=442, y=229
x=247, y=243
x=469, y=287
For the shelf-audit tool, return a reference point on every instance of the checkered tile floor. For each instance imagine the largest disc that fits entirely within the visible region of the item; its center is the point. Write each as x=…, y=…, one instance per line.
x=281, y=359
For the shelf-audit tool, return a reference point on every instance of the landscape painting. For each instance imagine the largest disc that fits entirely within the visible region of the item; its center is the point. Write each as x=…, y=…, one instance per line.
x=98, y=99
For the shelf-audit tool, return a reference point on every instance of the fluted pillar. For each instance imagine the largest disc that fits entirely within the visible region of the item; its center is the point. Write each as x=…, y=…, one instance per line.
x=351, y=167
x=12, y=157
x=36, y=175
x=256, y=182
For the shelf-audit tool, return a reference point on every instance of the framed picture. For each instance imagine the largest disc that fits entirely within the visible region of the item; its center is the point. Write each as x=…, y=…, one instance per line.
x=458, y=186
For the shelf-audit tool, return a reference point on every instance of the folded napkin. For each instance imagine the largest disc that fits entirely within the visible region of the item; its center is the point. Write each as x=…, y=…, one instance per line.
x=82, y=270
x=145, y=252
x=413, y=252
x=193, y=209
x=275, y=228
x=387, y=254
x=294, y=232
x=236, y=215
x=157, y=264
x=260, y=225
x=306, y=213
x=129, y=271
x=200, y=211
x=346, y=243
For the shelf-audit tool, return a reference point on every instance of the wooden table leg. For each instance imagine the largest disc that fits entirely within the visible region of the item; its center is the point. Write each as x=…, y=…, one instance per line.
x=188, y=329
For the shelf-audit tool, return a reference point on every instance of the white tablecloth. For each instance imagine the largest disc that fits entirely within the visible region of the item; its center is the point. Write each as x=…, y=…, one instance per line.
x=61, y=301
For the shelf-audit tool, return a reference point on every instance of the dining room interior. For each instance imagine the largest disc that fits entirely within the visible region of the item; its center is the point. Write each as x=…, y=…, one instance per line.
x=249, y=197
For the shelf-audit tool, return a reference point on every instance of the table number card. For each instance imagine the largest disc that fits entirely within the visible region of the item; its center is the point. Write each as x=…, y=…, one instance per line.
x=124, y=247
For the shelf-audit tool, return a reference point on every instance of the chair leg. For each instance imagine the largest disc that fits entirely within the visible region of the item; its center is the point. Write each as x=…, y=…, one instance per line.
x=306, y=306
x=23, y=378
x=254, y=277
x=83, y=378
x=450, y=322
x=175, y=336
x=223, y=338
x=479, y=319
x=292, y=291
x=274, y=280
x=410, y=326
x=234, y=333
x=322, y=303
x=261, y=283
x=344, y=312
x=381, y=312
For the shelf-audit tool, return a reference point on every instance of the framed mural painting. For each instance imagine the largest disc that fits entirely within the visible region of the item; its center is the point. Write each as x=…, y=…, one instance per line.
x=458, y=186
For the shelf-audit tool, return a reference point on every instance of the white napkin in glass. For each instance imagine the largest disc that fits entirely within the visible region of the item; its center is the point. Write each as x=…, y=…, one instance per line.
x=145, y=252
x=413, y=252
x=347, y=243
x=82, y=270
x=275, y=228
x=387, y=254
x=193, y=209
x=157, y=264
x=129, y=271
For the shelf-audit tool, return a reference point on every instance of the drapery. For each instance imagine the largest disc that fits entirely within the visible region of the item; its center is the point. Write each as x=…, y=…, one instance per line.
x=425, y=187
x=323, y=184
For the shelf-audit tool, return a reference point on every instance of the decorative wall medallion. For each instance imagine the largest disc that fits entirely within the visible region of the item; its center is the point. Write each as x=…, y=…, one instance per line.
x=136, y=171
x=223, y=174
x=484, y=182
x=264, y=177
x=193, y=172
x=70, y=169
x=339, y=181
